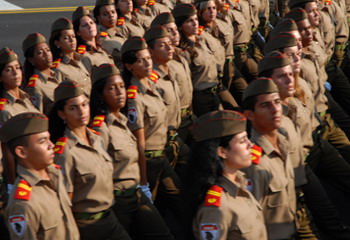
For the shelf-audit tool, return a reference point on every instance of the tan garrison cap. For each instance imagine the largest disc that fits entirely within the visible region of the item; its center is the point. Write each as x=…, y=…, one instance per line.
x=61, y=24
x=104, y=2
x=155, y=33
x=292, y=3
x=7, y=55
x=163, y=18
x=285, y=25
x=218, y=124
x=272, y=60
x=66, y=90
x=259, y=86
x=24, y=124
x=32, y=40
x=104, y=71
x=282, y=40
x=133, y=44
x=184, y=10
x=297, y=14
x=80, y=12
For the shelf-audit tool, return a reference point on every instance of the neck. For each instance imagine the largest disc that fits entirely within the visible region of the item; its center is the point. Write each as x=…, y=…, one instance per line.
x=163, y=66
x=270, y=135
x=41, y=172
x=91, y=42
x=14, y=92
x=192, y=38
x=70, y=55
x=128, y=15
x=81, y=134
x=230, y=174
x=144, y=81
x=115, y=112
x=46, y=71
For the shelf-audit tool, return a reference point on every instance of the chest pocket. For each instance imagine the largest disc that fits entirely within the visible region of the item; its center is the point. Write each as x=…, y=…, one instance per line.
x=276, y=196
x=50, y=221
x=86, y=173
x=151, y=114
x=116, y=150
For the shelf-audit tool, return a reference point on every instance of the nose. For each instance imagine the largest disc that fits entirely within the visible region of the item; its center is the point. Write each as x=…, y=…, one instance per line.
x=51, y=145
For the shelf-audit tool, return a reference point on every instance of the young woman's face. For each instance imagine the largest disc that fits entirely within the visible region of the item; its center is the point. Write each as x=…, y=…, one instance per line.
x=67, y=42
x=190, y=26
x=42, y=57
x=114, y=93
x=209, y=14
x=87, y=28
x=143, y=66
x=11, y=76
x=125, y=6
x=76, y=112
x=237, y=154
x=108, y=16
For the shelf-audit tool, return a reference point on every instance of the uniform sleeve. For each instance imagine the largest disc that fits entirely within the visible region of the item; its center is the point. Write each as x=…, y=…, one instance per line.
x=22, y=221
x=4, y=116
x=104, y=134
x=87, y=63
x=210, y=223
x=136, y=112
x=66, y=161
x=36, y=97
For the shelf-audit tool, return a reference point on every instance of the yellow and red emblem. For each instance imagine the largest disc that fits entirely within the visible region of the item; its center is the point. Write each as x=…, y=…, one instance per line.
x=151, y=2
x=328, y=2
x=81, y=49
x=56, y=63
x=59, y=146
x=256, y=153
x=120, y=21
x=23, y=190
x=227, y=6
x=154, y=76
x=103, y=34
x=2, y=103
x=213, y=197
x=32, y=80
x=98, y=121
x=200, y=30
x=132, y=91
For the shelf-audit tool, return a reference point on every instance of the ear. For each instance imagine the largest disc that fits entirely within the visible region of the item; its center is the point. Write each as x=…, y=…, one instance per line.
x=31, y=60
x=61, y=114
x=249, y=114
x=21, y=152
x=221, y=152
x=56, y=43
x=128, y=66
x=151, y=51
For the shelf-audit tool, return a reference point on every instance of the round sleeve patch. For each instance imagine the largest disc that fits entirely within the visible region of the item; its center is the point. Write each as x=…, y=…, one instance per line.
x=18, y=224
x=132, y=115
x=209, y=231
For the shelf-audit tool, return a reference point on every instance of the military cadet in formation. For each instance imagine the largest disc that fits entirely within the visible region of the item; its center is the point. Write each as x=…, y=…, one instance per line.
x=223, y=206
x=89, y=181
x=38, y=206
x=63, y=44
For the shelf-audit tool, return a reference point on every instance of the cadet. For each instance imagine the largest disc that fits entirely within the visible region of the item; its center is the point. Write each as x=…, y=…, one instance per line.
x=41, y=80
x=63, y=44
x=38, y=207
x=89, y=181
x=133, y=209
x=223, y=206
x=272, y=179
x=86, y=31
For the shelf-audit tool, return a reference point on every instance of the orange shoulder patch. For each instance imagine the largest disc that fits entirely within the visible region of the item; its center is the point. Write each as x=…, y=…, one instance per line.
x=120, y=21
x=200, y=30
x=59, y=146
x=227, y=6
x=213, y=197
x=81, y=49
x=154, y=76
x=132, y=92
x=57, y=166
x=328, y=2
x=103, y=34
x=98, y=121
x=256, y=153
x=151, y=2
x=23, y=190
x=2, y=103
x=32, y=80
x=56, y=63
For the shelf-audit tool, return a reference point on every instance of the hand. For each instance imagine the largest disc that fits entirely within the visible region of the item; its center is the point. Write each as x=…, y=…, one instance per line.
x=145, y=189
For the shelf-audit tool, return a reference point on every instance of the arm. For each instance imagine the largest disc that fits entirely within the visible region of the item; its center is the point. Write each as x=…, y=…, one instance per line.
x=140, y=135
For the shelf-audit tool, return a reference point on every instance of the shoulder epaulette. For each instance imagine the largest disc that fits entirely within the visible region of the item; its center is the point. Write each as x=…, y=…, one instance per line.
x=2, y=103
x=256, y=153
x=59, y=146
x=56, y=63
x=226, y=7
x=81, y=49
x=32, y=80
x=120, y=21
x=151, y=2
x=213, y=197
x=132, y=92
x=57, y=166
x=136, y=10
x=23, y=190
x=103, y=34
x=94, y=131
x=200, y=30
x=154, y=76
x=98, y=121
x=328, y=2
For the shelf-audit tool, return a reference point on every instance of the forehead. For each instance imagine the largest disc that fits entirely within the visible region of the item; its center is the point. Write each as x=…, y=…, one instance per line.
x=303, y=23
x=163, y=40
x=37, y=136
x=142, y=53
x=85, y=19
x=269, y=97
x=290, y=49
x=114, y=79
x=284, y=69
x=311, y=6
x=76, y=100
x=107, y=7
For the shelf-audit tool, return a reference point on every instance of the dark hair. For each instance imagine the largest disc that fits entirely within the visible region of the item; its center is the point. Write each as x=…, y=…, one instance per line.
x=96, y=12
x=151, y=43
x=268, y=73
x=185, y=43
x=205, y=168
x=56, y=124
x=28, y=66
x=20, y=141
x=128, y=58
x=97, y=105
x=249, y=103
x=300, y=5
x=55, y=36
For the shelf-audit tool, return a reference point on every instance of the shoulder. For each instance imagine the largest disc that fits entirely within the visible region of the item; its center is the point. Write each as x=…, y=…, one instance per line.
x=33, y=81
x=213, y=196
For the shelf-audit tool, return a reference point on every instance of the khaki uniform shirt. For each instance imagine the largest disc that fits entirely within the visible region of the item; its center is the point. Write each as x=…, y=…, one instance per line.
x=204, y=72
x=95, y=58
x=159, y=8
x=254, y=8
x=239, y=215
x=131, y=27
x=318, y=48
x=169, y=90
x=74, y=70
x=41, y=94
x=122, y=147
x=149, y=112
x=226, y=34
x=326, y=27
x=15, y=106
x=112, y=35
x=241, y=25
x=296, y=151
x=46, y=214
x=273, y=186
x=341, y=24
x=88, y=173
x=181, y=72
x=145, y=16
